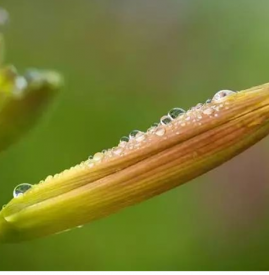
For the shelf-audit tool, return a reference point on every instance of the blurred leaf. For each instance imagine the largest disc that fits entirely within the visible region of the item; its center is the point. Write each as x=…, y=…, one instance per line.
x=23, y=99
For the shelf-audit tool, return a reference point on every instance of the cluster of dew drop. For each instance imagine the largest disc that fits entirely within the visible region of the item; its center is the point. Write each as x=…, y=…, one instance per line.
x=177, y=117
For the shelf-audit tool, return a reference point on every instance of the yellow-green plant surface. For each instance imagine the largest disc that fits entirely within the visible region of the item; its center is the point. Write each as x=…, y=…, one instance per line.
x=180, y=148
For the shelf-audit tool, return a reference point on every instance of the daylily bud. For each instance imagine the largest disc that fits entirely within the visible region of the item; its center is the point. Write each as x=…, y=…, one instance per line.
x=180, y=148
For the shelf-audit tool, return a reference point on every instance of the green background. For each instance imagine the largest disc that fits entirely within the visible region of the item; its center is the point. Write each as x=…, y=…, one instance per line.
x=126, y=63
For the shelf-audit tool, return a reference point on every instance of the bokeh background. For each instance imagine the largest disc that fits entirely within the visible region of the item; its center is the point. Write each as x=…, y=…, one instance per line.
x=126, y=63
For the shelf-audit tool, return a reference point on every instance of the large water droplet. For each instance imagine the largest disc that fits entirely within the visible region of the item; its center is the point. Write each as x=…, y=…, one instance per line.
x=221, y=94
x=20, y=189
x=175, y=112
x=165, y=120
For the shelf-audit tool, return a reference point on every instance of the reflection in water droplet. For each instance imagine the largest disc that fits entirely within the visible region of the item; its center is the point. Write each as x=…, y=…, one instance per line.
x=175, y=112
x=21, y=189
x=165, y=120
x=221, y=94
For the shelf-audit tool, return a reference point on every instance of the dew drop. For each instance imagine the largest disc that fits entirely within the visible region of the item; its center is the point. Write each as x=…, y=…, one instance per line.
x=221, y=94
x=90, y=157
x=49, y=177
x=165, y=120
x=208, y=111
x=20, y=189
x=208, y=101
x=134, y=133
x=175, y=112
x=160, y=131
x=98, y=156
x=140, y=136
x=153, y=127
x=199, y=106
x=124, y=139
x=117, y=151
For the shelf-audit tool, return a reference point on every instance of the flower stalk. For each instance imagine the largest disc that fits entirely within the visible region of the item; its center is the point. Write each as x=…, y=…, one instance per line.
x=166, y=156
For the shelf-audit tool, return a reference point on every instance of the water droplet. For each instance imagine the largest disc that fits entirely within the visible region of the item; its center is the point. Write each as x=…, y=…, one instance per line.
x=104, y=151
x=160, y=131
x=208, y=111
x=117, y=151
x=208, y=101
x=98, y=156
x=90, y=157
x=153, y=127
x=165, y=120
x=21, y=189
x=124, y=139
x=221, y=94
x=199, y=106
x=3, y=206
x=49, y=178
x=175, y=112
x=133, y=133
x=140, y=136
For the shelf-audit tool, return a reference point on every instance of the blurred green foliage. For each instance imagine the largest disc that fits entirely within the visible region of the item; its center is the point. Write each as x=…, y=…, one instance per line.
x=126, y=63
